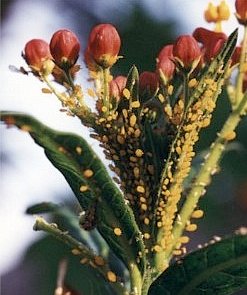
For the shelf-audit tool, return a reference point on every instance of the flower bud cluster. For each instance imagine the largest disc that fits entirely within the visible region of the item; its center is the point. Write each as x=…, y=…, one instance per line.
x=63, y=51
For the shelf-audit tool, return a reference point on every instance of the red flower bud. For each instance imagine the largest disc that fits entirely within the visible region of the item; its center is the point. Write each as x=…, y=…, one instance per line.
x=117, y=86
x=236, y=55
x=165, y=66
x=104, y=45
x=36, y=52
x=148, y=83
x=241, y=11
x=65, y=48
x=212, y=42
x=187, y=51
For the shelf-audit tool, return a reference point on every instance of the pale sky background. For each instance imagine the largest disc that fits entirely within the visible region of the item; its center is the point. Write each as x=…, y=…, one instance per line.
x=30, y=178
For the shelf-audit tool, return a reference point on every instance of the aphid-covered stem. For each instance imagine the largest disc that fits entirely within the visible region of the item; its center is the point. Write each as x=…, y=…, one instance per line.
x=87, y=256
x=204, y=176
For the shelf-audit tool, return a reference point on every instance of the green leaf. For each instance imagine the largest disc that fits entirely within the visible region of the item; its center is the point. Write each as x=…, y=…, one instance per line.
x=218, y=269
x=72, y=155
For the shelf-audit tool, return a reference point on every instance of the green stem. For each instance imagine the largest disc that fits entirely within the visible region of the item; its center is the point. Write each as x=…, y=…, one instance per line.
x=106, y=100
x=204, y=176
x=79, y=249
x=135, y=280
x=83, y=112
x=242, y=69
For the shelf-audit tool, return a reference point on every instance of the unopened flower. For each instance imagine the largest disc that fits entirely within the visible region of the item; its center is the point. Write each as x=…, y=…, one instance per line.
x=148, y=83
x=165, y=66
x=116, y=86
x=217, y=13
x=241, y=11
x=104, y=45
x=37, y=55
x=236, y=55
x=65, y=48
x=223, y=11
x=211, y=13
x=187, y=52
x=212, y=42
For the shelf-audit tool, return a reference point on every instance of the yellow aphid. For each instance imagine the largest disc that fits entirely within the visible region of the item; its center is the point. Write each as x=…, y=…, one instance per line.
x=184, y=239
x=161, y=98
x=104, y=109
x=197, y=214
x=83, y=188
x=137, y=133
x=62, y=149
x=120, y=139
x=88, y=173
x=135, y=104
x=157, y=248
x=26, y=128
x=133, y=120
x=76, y=252
x=170, y=89
x=99, y=260
x=84, y=260
x=177, y=252
x=144, y=207
x=146, y=236
x=139, y=153
x=78, y=149
x=46, y=90
x=136, y=172
x=117, y=231
x=126, y=93
x=111, y=276
x=231, y=135
x=146, y=221
x=191, y=227
x=125, y=113
x=91, y=92
x=192, y=83
x=140, y=189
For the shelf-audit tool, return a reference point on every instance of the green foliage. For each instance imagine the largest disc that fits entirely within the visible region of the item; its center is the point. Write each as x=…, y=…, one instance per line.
x=218, y=269
x=72, y=156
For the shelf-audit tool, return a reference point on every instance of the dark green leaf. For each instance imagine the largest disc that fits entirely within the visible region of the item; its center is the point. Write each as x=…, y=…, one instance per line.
x=218, y=269
x=72, y=155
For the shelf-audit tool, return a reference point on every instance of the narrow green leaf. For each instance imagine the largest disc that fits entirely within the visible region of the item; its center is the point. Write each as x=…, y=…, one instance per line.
x=218, y=269
x=72, y=156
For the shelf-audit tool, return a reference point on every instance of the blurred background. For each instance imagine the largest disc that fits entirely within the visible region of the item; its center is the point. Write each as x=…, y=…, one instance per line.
x=27, y=177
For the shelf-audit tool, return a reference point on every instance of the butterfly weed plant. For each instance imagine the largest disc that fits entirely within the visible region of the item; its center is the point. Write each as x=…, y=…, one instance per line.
x=148, y=125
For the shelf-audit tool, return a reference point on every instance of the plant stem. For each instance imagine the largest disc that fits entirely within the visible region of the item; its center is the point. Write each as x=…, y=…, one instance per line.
x=135, y=280
x=207, y=170
x=80, y=250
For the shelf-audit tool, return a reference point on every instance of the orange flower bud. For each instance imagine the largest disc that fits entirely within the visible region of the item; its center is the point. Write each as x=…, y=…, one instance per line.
x=65, y=48
x=104, y=45
x=224, y=11
x=211, y=13
x=36, y=52
x=165, y=66
x=116, y=86
x=236, y=55
x=148, y=83
x=241, y=11
x=187, y=51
